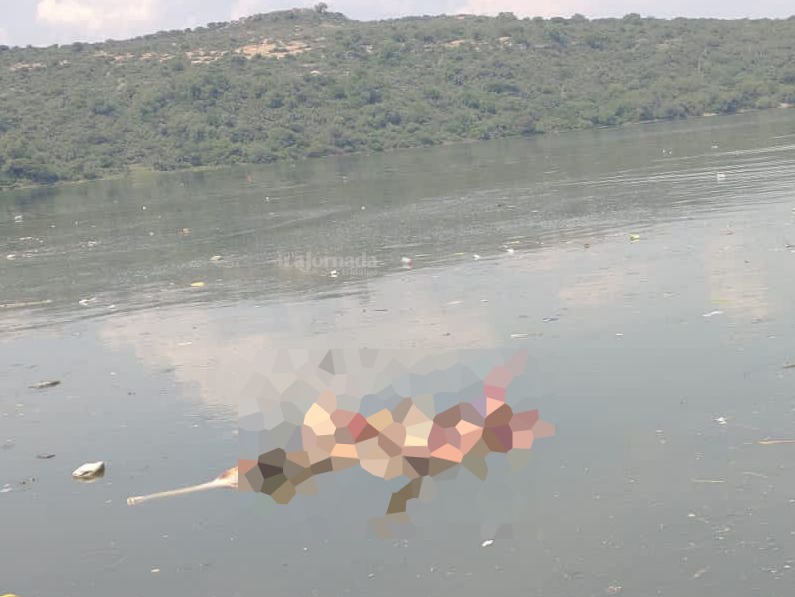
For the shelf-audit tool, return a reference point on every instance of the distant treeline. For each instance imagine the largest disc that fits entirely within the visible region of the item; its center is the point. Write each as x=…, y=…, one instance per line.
x=308, y=83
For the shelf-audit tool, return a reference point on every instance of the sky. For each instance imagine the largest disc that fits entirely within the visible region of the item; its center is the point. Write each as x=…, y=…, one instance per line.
x=45, y=22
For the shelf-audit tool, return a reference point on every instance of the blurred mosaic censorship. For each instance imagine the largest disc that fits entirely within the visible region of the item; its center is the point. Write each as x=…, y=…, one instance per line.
x=394, y=413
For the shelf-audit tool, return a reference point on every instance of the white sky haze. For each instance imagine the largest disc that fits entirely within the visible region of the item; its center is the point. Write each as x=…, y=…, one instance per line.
x=44, y=22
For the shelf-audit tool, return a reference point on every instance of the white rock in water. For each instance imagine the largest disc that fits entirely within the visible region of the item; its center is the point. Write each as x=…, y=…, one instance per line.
x=89, y=470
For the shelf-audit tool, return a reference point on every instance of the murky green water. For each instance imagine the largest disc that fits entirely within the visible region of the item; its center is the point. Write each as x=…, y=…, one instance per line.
x=661, y=361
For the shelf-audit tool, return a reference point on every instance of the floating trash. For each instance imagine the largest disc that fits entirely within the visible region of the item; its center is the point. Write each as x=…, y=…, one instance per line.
x=51, y=383
x=216, y=258
x=197, y=285
x=88, y=471
x=712, y=314
x=87, y=301
x=406, y=260
x=45, y=455
x=720, y=420
x=227, y=479
x=476, y=257
x=334, y=274
x=18, y=219
x=487, y=543
x=634, y=237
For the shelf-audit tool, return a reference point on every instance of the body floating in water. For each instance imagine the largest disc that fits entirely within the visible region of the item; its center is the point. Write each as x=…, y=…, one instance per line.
x=405, y=441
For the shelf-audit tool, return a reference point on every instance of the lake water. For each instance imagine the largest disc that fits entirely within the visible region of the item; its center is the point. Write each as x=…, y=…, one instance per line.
x=661, y=360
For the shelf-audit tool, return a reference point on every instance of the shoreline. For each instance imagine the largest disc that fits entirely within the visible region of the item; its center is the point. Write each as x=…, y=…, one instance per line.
x=139, y=169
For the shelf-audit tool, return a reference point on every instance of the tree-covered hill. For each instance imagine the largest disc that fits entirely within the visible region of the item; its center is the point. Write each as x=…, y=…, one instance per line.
x=307, y=83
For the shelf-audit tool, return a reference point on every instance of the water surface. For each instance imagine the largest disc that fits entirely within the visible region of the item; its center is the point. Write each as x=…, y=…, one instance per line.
x=661, y=361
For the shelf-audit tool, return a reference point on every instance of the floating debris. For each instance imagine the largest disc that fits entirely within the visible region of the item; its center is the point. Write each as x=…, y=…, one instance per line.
x=18, y=219
x=789, y=366
x=87, y=301
x=227, y=479
x=476, y=257
x=707, y=481
x=51, y=383
x=720, y=176
x=24, y=304
x=197, y=285
x=406, y=260
x=11, y=256
x=712, y=314
x=487, y=543
x=614, y=589
x=334, y=274
x=700, y=572
x=155, y=571
x=216, y=258
x=720, y=420
x=519, y=336
x=88, y=471
x=775, y=442
x=634, y=237
x=45, y=455
x=550, y=319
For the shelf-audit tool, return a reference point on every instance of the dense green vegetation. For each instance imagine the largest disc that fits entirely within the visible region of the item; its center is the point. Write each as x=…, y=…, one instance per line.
x=310, y=83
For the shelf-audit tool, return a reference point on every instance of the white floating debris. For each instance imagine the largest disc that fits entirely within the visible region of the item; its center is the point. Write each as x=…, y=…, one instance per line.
x=50, y=383
x=11, y=256
x=90, y=470
x=487, y=543
x=634, y=237
x=87, y=301
x=720, y=176
x=155, y=571
x=476, y=257
x=455, y=302
x=406, y=260
x=720, y=420
x=18, y=219
x=510, y=251
x=197, y=284
x=334, y=273
x=712, y=314
x=614, y=589
x=216, y=258
x=363, y=207
x=519, y=336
